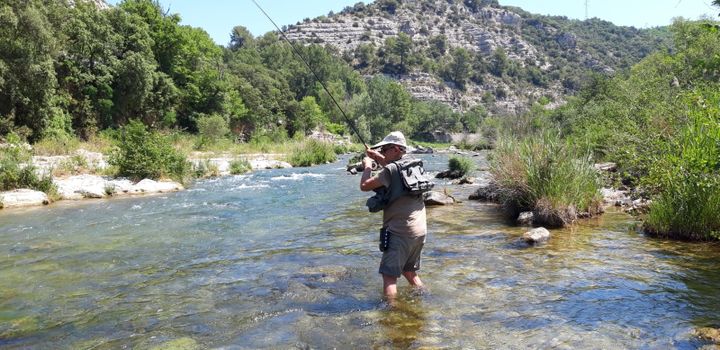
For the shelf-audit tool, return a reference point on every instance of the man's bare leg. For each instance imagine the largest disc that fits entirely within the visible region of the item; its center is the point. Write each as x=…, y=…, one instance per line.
x=390, y=287
x=413, y=279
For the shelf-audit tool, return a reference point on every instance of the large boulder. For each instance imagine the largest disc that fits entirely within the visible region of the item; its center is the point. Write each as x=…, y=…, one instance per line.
x=437, y=198
x=22, y=198
x=81, y=186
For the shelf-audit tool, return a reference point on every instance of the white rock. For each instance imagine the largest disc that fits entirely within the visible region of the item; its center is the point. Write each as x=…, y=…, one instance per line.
x=269, y=164
x=536, y=235
x=22, y=198
x=152, y=186
x=81, y=186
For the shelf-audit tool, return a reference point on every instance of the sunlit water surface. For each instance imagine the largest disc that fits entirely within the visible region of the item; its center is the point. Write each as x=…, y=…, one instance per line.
x=288, y=258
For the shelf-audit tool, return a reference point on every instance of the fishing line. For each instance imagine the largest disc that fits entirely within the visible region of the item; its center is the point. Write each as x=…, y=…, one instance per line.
x=295, y=50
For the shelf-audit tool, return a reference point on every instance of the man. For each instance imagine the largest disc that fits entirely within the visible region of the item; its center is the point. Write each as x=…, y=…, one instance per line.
x=404, y=218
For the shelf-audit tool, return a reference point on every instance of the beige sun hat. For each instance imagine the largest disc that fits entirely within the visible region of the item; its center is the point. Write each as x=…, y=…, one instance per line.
x=395, y=138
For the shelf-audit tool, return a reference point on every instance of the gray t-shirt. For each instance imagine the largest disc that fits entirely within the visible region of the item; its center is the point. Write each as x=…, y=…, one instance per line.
x=406, y=215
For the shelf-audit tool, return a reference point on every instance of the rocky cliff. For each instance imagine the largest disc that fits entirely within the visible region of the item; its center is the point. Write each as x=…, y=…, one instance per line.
x=556, y=52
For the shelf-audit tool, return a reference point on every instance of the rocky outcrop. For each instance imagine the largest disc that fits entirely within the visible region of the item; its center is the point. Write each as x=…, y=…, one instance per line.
x=527, y=40
x=94, y=186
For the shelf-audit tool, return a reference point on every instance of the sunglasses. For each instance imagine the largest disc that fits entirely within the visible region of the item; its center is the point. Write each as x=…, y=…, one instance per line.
x=387, y=148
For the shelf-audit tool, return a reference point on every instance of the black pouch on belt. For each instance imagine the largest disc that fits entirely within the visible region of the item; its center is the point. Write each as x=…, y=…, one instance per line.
x=384, y=239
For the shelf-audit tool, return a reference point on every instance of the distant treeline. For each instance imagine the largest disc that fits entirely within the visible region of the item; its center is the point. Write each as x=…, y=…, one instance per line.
x=71, y=71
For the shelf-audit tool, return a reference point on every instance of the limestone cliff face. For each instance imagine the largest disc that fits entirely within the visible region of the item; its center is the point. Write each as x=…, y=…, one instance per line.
x=477, y=28
x=101, y=4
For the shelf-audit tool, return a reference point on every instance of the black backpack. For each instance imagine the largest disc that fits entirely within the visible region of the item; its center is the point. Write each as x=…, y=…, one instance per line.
x=413, y=179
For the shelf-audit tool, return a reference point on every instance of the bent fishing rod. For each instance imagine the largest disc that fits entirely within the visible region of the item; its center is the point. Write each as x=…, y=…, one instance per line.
x=297, y=53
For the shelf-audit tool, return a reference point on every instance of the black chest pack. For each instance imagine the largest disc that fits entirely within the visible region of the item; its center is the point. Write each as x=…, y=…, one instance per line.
x=408, y=178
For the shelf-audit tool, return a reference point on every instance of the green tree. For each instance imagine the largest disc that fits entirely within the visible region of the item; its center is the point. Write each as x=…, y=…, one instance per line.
x=27, y=76
x=458, y=69
x=308, y=117
x=499, y=63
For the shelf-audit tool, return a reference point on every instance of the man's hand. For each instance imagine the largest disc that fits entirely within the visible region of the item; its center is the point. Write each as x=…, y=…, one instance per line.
x=377, y=156
x=367, y=163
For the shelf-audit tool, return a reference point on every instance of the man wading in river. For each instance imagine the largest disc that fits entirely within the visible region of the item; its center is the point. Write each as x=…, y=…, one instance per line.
x=404, y=217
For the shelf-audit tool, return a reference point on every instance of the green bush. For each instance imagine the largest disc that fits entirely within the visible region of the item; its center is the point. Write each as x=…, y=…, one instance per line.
x=312, y=152
x=16, y=170
x=240, y=166
x=146, y=154
x=688, y=177
x=547, y=176
x=462, y=165
x=211, y=129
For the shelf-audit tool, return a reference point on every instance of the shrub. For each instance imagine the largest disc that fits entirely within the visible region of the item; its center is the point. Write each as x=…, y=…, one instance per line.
x=211, y=129
x=544, y=175
x=687, y=176
x=240, y=166
x=16, y=170
x=462, y=165
x=312, y=152
x=146, y=154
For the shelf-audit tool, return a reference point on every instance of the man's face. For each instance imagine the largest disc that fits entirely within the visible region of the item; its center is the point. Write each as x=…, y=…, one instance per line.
x=392, y=152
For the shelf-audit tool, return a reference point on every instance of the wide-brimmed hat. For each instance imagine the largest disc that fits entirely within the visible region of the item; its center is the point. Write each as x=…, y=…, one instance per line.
x=395, y=138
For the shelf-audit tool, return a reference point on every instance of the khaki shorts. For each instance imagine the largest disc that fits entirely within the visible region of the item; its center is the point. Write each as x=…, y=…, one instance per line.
x=402, y=255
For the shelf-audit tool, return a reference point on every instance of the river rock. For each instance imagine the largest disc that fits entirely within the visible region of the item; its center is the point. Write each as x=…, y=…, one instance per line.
x=81, y=186
x=152, y=186
x=708, y=333
x=269, y=164
x=325, y=274
x=422, y=150
x=464, y=181
x=536, y=235
x=525, y=218
x=22, y=198
x=487, y=192
x=449, y=174
x=614, y=197
x=437, y=198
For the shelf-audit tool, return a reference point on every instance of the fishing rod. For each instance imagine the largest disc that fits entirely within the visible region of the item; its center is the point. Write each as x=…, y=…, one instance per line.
x=295, y=50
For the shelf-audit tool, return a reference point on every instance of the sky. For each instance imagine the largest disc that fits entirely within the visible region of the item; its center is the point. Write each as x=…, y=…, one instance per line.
x=218, y=17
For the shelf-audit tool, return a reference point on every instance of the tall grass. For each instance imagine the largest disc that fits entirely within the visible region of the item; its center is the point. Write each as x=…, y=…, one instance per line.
x=312, y=152
x=688, y=175
x=547, y=176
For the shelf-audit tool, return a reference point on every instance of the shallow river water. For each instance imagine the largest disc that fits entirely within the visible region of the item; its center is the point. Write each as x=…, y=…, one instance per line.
x=288, y=258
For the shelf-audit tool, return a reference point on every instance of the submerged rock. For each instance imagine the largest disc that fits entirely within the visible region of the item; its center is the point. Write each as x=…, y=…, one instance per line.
x=465, y=181
x=708, y=333
x=437, y=198
x=22, y=198
x=536, y=235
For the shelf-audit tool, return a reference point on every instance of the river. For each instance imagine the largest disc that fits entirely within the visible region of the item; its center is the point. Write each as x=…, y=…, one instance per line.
x=287, y=258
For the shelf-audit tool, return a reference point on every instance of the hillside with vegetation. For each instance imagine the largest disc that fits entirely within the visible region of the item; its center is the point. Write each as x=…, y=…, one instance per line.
x=476, y=52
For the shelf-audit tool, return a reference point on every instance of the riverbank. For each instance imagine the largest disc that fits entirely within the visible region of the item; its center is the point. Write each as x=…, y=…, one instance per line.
x=82, y=175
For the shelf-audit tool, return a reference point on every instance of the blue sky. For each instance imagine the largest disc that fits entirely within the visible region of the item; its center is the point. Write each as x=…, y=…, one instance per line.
x=218, y=17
